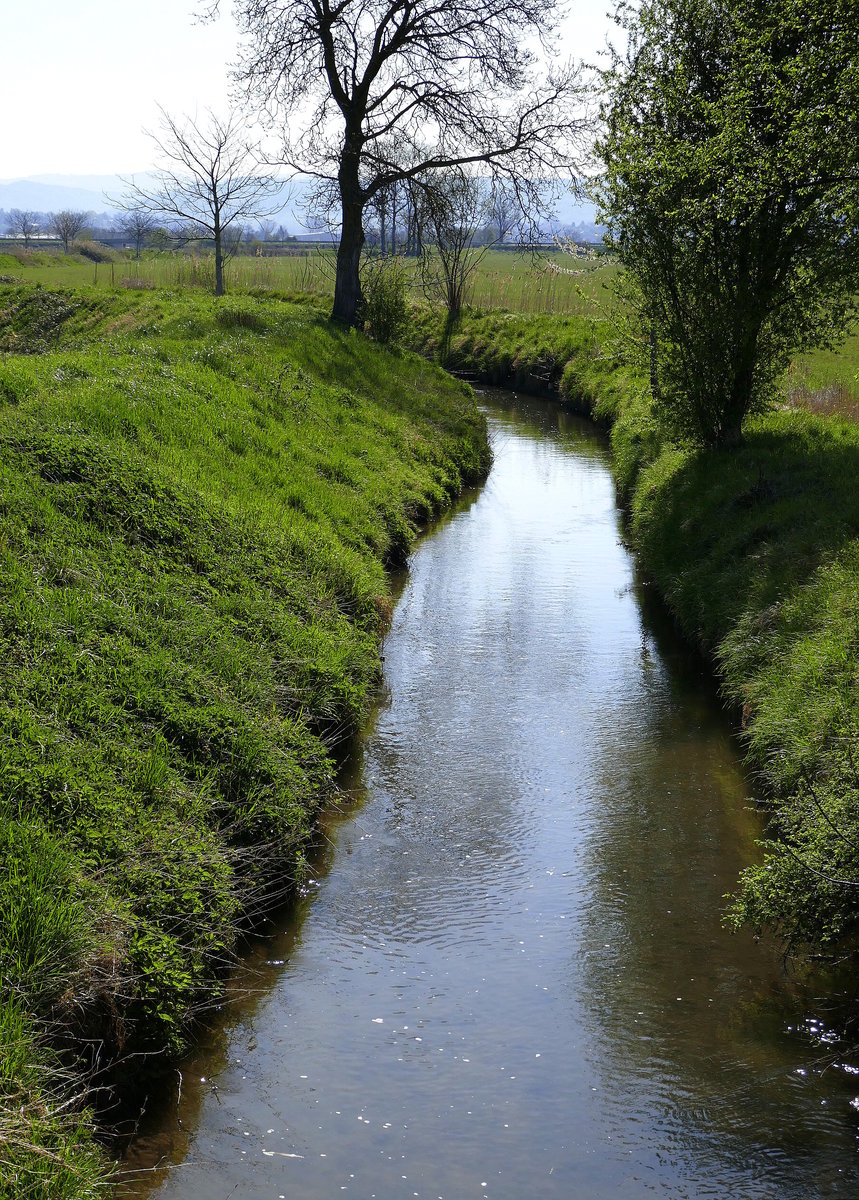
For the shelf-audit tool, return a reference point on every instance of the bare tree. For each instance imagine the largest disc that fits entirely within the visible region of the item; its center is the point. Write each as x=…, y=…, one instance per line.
x=136, y=225
x=22, y=223
x=504, y=211
x=453, y=207
x=380, y=207
x=67, y=225
x=456, y=74
x=209, y=182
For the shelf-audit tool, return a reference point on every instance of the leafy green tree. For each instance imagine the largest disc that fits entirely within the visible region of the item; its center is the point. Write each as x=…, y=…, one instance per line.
x=731, y=189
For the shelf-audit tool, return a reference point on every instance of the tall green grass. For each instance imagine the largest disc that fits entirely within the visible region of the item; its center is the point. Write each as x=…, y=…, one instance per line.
x=198, y=501
x=547, y=282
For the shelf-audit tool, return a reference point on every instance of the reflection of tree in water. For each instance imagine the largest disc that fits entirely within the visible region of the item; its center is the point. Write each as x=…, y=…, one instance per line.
x=692, y=1022
x=548, y=424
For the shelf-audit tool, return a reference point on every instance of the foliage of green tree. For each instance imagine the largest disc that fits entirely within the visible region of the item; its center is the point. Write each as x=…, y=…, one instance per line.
x=731, y=188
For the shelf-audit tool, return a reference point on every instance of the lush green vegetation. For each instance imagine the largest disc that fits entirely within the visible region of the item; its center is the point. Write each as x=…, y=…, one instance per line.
x=568, y=354
x=198, y=501
x=757, y=553
x=730, y=188
x=198, y=498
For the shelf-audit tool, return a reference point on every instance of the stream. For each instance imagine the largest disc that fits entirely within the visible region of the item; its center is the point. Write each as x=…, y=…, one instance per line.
x=510, y=976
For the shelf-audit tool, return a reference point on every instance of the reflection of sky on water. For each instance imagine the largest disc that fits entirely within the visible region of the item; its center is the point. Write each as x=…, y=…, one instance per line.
x=514, y=979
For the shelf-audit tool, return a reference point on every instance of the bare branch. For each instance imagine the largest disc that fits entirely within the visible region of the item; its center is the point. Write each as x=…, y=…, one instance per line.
x=67, y=225
x=209, y=180
x=457, y=75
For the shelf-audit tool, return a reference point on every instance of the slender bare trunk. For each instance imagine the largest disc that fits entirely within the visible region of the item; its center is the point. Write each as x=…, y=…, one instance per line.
x=219, y=249
x=219, y=264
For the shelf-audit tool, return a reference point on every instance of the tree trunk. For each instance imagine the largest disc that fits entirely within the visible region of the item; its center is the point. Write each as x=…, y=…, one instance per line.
x=731, y=435
x=740, y=397
x=219, y=265
x=347, y=282
x=655, y=389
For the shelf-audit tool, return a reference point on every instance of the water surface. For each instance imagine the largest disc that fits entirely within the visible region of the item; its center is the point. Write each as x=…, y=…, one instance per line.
x=511, y=977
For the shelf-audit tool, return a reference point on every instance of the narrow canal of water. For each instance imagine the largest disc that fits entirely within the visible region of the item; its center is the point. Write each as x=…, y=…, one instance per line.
x=511, y=977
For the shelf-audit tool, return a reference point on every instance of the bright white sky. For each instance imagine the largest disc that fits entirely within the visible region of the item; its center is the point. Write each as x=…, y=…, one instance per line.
x=81, y=79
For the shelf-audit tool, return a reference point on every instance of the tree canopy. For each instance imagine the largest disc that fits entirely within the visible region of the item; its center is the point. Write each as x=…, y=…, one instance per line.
x=731, y=189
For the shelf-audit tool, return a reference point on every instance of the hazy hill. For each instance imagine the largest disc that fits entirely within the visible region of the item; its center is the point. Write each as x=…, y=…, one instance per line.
x=89, y=193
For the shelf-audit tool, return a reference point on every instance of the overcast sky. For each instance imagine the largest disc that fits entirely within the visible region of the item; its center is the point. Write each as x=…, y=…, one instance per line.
x=82, y=78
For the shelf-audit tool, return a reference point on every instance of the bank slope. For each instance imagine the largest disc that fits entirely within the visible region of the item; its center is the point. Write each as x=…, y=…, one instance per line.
x=757, y=552
x=198, y=500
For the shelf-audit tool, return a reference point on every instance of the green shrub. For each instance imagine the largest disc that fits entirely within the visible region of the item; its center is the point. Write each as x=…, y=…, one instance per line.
x=94, y=251
x=385, y=285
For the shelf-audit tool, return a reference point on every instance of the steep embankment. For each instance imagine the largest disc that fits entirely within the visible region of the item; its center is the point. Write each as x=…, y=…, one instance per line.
x=197, y=503
x=756, y=551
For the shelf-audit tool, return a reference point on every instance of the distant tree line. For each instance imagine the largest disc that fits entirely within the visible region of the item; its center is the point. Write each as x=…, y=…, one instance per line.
x=136, y=230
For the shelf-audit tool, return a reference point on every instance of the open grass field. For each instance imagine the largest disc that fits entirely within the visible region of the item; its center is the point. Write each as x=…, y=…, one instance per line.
x=550, y=284
x=827, y=381
x=526, y=283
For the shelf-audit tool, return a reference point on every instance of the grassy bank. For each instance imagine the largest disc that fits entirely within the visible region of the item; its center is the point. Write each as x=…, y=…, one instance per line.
x=198, y=503
x=756, y=551
x=567, y=356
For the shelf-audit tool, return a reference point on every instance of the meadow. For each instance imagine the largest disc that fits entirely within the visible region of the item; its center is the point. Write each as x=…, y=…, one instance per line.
x=538, y=282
